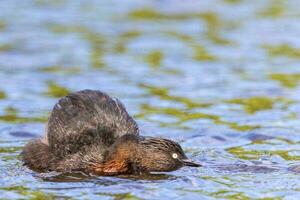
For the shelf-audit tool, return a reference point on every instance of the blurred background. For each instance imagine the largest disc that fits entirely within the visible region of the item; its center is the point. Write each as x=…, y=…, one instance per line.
x=221, y=77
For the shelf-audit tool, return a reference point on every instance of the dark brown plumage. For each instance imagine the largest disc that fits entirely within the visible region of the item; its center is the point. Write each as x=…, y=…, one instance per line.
x=91, y=132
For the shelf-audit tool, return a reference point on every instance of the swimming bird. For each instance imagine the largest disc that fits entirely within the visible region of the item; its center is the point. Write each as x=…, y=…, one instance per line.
x=91, y=132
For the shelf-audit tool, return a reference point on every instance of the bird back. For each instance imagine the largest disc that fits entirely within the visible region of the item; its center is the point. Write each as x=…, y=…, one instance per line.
x=84, y=118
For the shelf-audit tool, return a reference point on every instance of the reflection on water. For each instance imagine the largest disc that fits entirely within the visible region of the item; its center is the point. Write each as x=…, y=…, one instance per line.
x=80, y=176
x=221, y=77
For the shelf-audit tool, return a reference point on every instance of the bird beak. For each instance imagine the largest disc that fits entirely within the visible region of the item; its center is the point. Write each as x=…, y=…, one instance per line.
x=190, y=163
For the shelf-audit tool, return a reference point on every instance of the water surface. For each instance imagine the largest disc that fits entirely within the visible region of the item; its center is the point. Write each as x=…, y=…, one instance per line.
x=221, y=77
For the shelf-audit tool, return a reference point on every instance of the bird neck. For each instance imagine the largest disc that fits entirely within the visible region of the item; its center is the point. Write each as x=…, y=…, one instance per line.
x=120, y=158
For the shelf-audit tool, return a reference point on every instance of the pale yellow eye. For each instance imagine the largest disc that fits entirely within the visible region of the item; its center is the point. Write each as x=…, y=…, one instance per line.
x=174, y=155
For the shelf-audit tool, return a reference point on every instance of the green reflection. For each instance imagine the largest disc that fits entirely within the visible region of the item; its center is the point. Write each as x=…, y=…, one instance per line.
x=224, y=180
x=163, y=93
x=181, y=36
x=214, y=25
x=55, y=90
x=242, y=153
x=6, y=47
x=258, y=103
x=2, y=95
x=130, y=34
x=183, y=116
x=212, y=20
x=249, y=154
x=27, y=193
x=275, y=8
x=150, y=14
x=239, y=127
x=60, y=69
x=283, y=50
x=2, y=25
x=154, y=58
x=233, y=1
x=201, y=54
x=230, y=195
x=49, y=3
x=57, y=28
x=11, y=115
x=95, y=39
x=10, y=149
x=286, y=80
x=292, y=116
x=121, y=196
x=97, y=43
x=123, y=39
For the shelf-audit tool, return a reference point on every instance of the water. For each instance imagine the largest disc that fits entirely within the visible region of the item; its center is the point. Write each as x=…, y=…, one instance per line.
x=221, y=77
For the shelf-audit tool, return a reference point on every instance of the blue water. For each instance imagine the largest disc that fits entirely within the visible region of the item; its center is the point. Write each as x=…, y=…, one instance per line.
x=221, y=77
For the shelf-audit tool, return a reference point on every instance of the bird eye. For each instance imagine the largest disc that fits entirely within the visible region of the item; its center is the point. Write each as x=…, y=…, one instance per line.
x=174, y=155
